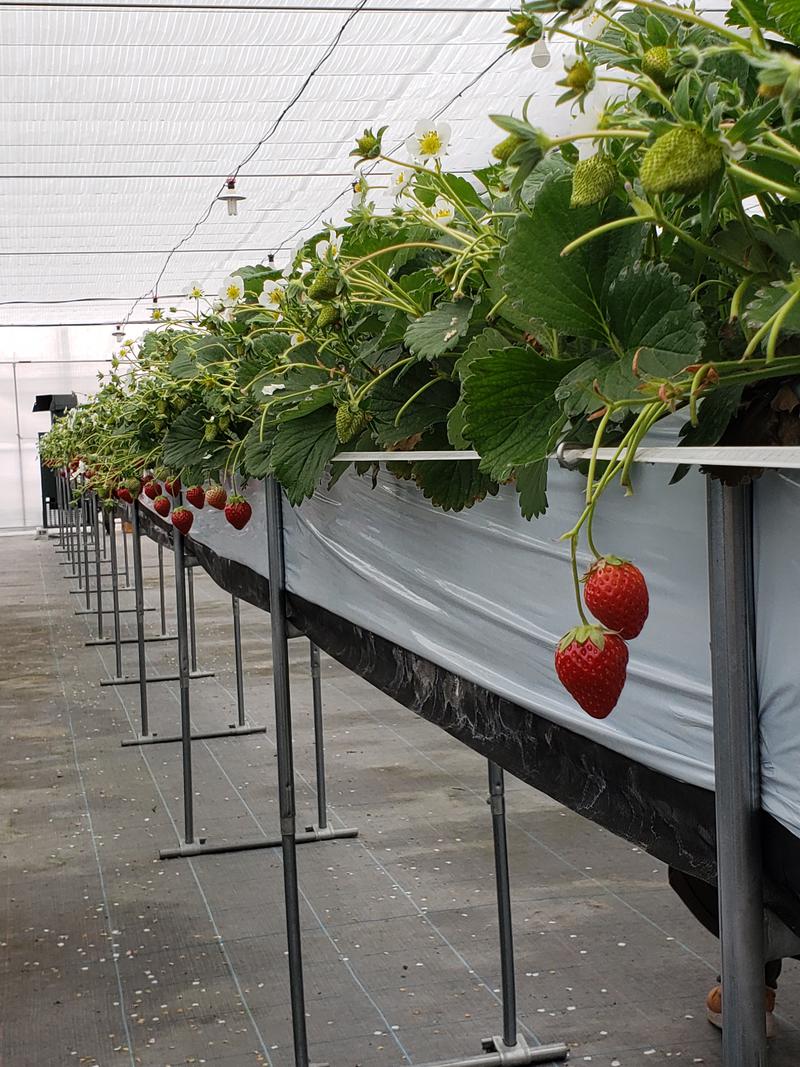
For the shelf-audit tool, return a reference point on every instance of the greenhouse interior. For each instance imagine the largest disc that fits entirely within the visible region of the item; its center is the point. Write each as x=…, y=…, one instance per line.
x=401, y=428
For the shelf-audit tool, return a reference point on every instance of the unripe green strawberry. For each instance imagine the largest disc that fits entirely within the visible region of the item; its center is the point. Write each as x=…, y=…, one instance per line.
x=328, y=316
x=324, y=285
x=656, y=63
x=579, y=75
x=504, y=148
x=680, y=161
x=593, y=180
x=350, y=421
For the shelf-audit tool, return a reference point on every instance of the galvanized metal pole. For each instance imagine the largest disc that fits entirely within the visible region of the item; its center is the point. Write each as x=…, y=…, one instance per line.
x=115, y=598
x=319, y=738
x=85, y=523
x=183, y=681
x=497, y=805
x=161, y=596
x=286, y=794
x=737, y=773
x=125, y=549
x=237, y=652
x=192, y=622
x=98, y=522
x=138, y=595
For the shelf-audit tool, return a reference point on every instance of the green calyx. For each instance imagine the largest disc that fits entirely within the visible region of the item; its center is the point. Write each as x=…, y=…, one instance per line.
x=593, y=180
x=581, y=634
x=579, y=76
x=368, y=145
x=682, y=160
x=525, y=27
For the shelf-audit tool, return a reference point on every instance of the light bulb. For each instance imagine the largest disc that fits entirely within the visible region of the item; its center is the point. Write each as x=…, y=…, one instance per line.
x=231, y=197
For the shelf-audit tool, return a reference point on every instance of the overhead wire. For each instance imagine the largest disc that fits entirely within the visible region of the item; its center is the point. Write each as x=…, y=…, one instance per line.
x=256, y=148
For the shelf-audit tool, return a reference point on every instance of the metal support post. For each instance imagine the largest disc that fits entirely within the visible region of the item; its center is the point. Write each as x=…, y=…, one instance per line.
x=125, y=549
x=138, y=594
x=319, y=739
x=237, y=652
x=736, y=773
x=183, y=677
x=99, y=520
x=192, y=623
x=85, y=525
x=162, y=600
x=286, y=793
x=115, y=598
x=510, y=1047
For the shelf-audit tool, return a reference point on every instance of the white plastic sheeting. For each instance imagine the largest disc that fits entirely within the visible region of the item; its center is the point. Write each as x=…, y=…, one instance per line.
x=486, y=594
x=120, y=124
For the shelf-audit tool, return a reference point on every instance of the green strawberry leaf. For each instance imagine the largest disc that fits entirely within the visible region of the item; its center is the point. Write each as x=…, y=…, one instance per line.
x=766, y=303
x=576, y=391
x=438, y=331
x=185, y=443
x=257, y=452
x=513, y=417
x=531, y=486
x=302, y=450
x=651, y=314
x=386, y=399
x=784, y=15
x=714, y=413
x=450, y=484
x=565, y=292
x=489, y=340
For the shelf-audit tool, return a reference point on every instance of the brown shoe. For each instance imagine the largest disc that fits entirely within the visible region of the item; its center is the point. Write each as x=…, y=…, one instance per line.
x=714, y=1008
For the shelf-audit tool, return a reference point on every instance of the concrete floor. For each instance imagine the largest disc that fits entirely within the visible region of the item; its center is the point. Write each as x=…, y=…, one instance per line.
x=113, y=957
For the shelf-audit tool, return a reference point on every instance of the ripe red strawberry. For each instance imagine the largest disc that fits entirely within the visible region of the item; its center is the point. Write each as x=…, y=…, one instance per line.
x=124, y=494
x=152, y=489
x=238, y=511
x=616, y=593
x=216, y=497
x=182, y=520
x=196, y=496
x=162, y=505
x=146, y=478
x=173, y=486
x=591, y=664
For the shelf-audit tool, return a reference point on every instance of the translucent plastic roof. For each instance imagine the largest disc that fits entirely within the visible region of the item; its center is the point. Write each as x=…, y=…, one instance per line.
x=120, y=122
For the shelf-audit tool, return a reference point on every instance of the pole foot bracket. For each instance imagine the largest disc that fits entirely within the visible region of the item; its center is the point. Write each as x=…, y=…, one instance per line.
x=167, y=739
x=497, y=1054
x=156, y=678
x=305, y=837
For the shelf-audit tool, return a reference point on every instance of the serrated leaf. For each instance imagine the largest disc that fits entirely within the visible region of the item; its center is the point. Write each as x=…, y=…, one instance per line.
x=184, y=443
x=450, y=484
x=784, y=15
x=767, y=303
x=576, y=392
x=489, y=340
x=565, y=292
x=314, y=399
x=257, y=451
x=652, y=316
x=262, y=354
x=438, y=331
x=183, y=367
x=302, y=450
x=385, y=400
x=531, y=486
x=456, y=422
x=512, y=413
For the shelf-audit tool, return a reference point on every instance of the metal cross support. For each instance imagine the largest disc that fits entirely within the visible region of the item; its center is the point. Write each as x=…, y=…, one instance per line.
x=737, y=773
x=146, y=736
x=510, y=1047
x=142, y=679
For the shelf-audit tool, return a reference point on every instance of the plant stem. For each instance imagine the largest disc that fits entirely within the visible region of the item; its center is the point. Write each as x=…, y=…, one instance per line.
x=764, y=183
x=607, y=227
x=411, y=399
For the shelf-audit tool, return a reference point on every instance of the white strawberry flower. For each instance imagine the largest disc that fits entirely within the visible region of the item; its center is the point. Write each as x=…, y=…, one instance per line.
x=332, y=246
x=271, y=295
x=195, y=291
x=443, y=210
x=297, y=339
x=429, y=140
x=399, y=180
x=232, y=290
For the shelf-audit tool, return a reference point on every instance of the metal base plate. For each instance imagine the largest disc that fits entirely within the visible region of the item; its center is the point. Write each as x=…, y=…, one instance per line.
x=156, y=678
x=168, y=739
x=306, y=837
x=498, y=1054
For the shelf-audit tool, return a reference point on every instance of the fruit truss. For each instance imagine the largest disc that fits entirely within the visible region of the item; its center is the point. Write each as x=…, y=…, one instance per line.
x=580, y=288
